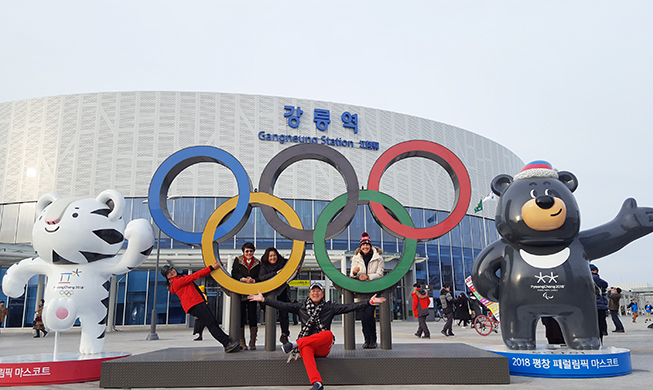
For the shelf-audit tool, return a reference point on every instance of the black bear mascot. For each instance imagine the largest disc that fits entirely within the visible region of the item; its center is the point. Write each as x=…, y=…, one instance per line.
x=540, y=266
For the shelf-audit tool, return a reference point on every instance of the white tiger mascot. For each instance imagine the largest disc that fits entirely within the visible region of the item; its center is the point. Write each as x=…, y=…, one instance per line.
x=77, y=240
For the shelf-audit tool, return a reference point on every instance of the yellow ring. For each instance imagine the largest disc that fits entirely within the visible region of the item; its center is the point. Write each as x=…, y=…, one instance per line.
x=287, y=272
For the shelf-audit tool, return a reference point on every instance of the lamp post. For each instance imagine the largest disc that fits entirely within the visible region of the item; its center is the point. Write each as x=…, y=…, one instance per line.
x=153, y=335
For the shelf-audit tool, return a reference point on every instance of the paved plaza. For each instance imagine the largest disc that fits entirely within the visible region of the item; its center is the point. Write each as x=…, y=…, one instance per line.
x=637, y=338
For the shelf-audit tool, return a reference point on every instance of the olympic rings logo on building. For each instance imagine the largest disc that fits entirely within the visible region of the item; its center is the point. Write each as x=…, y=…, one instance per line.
x=232, y=215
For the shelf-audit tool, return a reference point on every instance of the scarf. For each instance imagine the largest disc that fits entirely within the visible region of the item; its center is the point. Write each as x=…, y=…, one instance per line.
x=248, y=263
x=313, y=323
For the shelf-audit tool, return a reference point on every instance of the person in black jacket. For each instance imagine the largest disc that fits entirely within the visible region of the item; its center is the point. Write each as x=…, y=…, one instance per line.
x=271, y=264
x=316, y=315
x=448, y=304
x=247, y=268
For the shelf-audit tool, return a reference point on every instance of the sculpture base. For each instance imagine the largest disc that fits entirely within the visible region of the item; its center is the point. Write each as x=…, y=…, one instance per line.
x=45, y=369
x=562, y=362
x=405, y=364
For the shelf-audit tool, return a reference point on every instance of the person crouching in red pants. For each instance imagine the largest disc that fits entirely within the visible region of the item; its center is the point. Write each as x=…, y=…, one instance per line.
x=315, y=339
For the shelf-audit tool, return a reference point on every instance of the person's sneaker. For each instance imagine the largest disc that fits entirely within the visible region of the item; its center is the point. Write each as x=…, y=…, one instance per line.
x=445, y=333
x=287, y=347
x=199, y=338
x=451, y=334
x=618, y=331
x=417, y=335
x=284, y=338
x=317, y=386
x=366, y=345
x=426, y=337
x=233, y=346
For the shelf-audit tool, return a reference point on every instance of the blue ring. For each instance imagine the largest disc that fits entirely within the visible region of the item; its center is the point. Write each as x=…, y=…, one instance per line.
x=173, y=166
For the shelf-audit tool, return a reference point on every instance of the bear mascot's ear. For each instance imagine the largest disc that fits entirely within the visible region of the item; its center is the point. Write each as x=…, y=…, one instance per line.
x=500, y=184
x=569, y=180
x=45, y=201
x=115, y=201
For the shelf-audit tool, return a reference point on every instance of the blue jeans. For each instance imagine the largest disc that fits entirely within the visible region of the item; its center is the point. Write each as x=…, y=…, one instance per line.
x=617, y=321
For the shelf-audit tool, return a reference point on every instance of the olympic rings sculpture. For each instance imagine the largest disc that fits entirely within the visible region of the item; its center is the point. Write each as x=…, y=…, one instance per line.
x=232, y=215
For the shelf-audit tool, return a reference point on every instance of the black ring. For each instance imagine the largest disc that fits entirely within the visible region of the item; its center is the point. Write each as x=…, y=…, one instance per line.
x=290, y=155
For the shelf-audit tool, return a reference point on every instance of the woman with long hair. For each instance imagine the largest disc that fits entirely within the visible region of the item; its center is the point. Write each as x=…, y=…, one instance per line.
x=271, y=264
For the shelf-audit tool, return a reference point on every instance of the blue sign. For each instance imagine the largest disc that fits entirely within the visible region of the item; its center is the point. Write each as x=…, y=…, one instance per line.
x=568, y=363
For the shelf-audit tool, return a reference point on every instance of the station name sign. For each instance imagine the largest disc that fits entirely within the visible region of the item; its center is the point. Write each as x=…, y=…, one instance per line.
x=322, y=120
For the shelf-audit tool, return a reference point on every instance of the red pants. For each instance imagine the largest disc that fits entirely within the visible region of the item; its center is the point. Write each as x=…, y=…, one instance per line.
x=317, y=345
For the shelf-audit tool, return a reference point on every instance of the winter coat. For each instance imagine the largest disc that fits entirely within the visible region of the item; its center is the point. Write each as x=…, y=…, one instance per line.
x=239, y=269
x=268, y=271
x=613, y=300
x=329, y=310
x=421, y=302
x=462, y=309
x=3, y=314
x=601, y=299
x=187, y=291
x=447, y=301
x=375, y=266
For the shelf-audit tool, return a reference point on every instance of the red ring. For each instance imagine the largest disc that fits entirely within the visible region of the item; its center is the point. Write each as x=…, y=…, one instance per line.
x=447, y=160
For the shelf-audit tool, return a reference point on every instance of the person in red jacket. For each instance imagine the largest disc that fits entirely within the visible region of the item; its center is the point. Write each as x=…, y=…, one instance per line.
x=421, y=302
x=194, y=304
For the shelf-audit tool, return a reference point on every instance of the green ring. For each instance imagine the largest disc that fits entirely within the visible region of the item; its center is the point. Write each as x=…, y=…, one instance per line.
x=344, y=281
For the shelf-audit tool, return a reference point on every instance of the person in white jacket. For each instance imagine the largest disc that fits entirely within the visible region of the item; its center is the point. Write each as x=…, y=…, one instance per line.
x=367, y=264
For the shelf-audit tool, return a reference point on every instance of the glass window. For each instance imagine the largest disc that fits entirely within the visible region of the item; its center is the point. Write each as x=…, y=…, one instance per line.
x=9, y=223
x=445, y=265
x=127, y=214
x=264, y=232
x=430, y=217
x=477, y=233
x=420, y=272
x=459, y=275
x=25, y=222
x=246, y=234
x=161, y=299
x=417, y=216
x=304, y=208
x=204, y=207
x=466, y=231
x=433, y=264
x=444, y=240
x=456, y=240
x=468, y=256
x=373, y=229
x=389, y=243
x=135, y=303
x=184, y=209
x=357, y=227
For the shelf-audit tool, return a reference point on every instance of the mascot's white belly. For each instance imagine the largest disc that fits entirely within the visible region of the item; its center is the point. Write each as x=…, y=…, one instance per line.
x=77, y=241
x=545, y=261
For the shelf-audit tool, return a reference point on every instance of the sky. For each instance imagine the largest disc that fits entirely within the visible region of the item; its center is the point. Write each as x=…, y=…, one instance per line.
x=568, y=81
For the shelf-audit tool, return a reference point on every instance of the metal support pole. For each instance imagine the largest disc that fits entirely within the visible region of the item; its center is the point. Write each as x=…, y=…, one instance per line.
x=384, y=320
x=270, y=324
x=111, y=319
x=348, y=322
x=153, y=335
x=234, y=317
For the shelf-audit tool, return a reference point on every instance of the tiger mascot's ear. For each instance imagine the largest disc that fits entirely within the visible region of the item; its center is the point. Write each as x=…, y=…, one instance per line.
x=45, y=201
x=115, y=201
